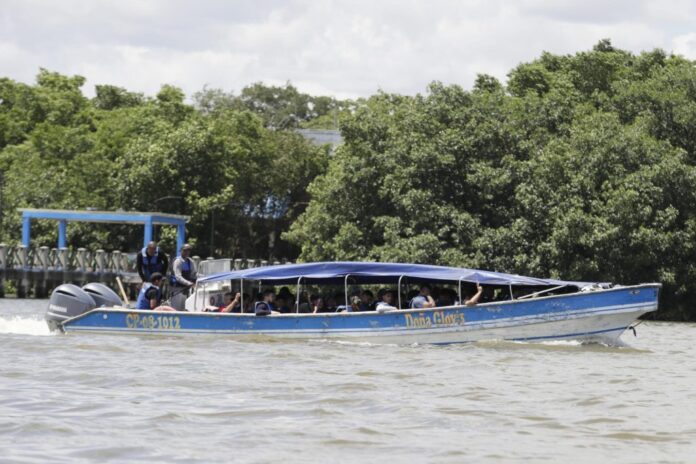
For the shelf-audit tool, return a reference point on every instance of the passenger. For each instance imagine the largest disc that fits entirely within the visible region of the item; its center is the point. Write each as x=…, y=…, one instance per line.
x=488, y=295
x=246, y=304
x=266, y=307
x=411, y=295
x=447, y=297
x=227, y=300
x=305, y=305
x=320, y=306
x=367, y=302
x=287, y=295
x=474, y=299
x=234, y=305
x=150, y=296
x=355, y=303
x=502, y=294
x=214, y=307
x=310, y=301
x=151, y=260
x=387, y=303
x=182, y=278
x=423, y=300
x=331, y=304
x=282, y=305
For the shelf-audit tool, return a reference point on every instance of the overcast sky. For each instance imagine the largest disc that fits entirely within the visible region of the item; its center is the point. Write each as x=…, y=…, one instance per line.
x=344, y=48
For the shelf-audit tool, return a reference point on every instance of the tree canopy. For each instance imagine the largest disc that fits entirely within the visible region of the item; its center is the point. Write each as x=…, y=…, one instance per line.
x=241, y=182
x=582, y=167
x=578, y=166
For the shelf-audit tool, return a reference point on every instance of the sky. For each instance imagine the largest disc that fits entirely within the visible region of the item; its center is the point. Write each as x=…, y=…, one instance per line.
x=346, y=49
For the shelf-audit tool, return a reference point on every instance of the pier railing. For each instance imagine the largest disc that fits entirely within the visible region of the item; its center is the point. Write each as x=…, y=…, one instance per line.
x=36, y=270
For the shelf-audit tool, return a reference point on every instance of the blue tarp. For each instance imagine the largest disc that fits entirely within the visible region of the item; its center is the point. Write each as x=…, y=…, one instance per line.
x=335, y=272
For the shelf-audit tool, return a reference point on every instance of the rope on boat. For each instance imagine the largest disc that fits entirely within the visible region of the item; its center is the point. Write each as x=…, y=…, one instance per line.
x=633, y=327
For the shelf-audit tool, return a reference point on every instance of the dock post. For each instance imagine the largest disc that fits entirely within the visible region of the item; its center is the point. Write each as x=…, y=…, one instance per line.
x=124, y=262
x=53, y=259
x=42, y=260
x=23, y=256
x=21, y=289
x=62, y=261
x=116, y=261
x=99, y=261
x=81, y=258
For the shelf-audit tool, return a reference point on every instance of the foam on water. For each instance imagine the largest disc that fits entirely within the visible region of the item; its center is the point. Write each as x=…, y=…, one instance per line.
x=23, y=326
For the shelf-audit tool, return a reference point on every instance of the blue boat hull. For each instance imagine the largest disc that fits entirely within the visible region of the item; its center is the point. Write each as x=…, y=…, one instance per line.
x=597, y=316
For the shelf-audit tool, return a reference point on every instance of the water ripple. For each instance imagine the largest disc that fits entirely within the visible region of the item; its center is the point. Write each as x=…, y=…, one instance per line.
x=214, y=399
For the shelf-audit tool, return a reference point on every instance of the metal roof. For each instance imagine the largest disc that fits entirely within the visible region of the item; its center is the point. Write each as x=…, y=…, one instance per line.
x=123, y=217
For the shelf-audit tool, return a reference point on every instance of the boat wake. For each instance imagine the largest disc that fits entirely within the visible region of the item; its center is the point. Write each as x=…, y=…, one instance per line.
x=558, y=345
x=23, y=326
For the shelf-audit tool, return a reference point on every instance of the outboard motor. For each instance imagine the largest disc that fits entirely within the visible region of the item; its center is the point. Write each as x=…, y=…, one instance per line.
x=67, y=301
x=102, y=295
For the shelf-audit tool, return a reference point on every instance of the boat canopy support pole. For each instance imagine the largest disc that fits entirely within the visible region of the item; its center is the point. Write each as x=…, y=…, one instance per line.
x=195, y=299
x=461, y=298
x=345, y=289
x=512, y=295
x=541, y=292
x=398, y=291
x=241, y=293
x=297, y=299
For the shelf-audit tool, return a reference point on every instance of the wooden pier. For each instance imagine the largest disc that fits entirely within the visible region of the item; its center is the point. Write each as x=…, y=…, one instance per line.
x=33, y=272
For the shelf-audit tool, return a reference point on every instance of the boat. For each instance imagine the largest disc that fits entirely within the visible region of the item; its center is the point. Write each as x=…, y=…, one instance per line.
x=518, y=308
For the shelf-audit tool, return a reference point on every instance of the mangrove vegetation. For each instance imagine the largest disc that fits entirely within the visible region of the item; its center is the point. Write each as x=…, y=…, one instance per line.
x=577, y=166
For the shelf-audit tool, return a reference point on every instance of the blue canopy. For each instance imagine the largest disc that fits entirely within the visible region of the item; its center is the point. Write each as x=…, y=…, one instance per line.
x=365, y=273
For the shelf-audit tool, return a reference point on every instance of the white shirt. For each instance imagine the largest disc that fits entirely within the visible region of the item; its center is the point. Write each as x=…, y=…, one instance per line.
x=383, y=306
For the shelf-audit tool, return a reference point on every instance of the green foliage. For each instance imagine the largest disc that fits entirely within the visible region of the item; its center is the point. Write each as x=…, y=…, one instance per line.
x=279, y=108
x=120, y=150
x=110, y=97
x=583, y=167
x=580, y=166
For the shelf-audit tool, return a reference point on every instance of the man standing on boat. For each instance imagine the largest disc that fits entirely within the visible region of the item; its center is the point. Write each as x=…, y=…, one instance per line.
x=183, y=278
x=150, y=260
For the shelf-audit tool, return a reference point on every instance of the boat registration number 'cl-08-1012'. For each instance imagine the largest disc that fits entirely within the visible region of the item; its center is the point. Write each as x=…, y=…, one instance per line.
x=436, y=319
x=138, y=321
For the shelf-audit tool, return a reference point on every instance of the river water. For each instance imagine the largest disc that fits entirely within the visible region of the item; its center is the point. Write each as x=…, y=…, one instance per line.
x=118, y=398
